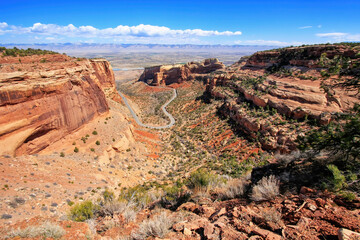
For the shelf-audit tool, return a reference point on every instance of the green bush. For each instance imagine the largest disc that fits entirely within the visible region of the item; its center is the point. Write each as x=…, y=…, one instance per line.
x=200, y=180
x=14, y=52
x=174, y=196
x=108, y=195
x=338, y=138
x=94, y=133
x=97, y=142
x=82, y=211
x=76, y=149
x=338, y=181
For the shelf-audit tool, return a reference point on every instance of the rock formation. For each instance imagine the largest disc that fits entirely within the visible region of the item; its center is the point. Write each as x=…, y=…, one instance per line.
x=168, y=74
x=290, y=82
x=41, y=100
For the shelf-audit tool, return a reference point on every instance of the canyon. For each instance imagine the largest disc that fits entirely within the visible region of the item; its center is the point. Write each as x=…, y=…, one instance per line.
x=236, y=127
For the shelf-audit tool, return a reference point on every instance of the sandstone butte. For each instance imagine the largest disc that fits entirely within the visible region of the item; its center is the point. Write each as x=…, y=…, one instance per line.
x=45, y=100
x=168, y=74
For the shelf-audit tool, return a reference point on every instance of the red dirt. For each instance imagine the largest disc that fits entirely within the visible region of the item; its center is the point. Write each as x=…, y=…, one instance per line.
x=152, y=136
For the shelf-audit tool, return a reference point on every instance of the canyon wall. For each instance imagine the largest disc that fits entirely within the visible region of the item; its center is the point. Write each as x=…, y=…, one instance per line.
x=42, y=101
x=287, y=83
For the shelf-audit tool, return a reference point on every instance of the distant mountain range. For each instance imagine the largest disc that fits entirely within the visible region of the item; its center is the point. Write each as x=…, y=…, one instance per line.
x=92, y=48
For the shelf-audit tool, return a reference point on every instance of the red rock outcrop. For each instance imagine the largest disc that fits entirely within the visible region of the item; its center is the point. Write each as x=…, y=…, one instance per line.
x=297, y=90
x=44, y=100
x=168, y=74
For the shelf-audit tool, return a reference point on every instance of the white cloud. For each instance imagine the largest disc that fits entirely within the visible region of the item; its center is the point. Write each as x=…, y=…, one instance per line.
x=305, y=27
x=267, y=42
x=333, y=34
x=140, y=30
x=340, y=36
x=3, y=25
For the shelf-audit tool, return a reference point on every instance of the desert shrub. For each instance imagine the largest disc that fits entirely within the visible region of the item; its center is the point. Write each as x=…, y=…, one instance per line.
x=110, y=208
x=348, y=195
x=200, y=179
x=62, y=154
x=266, y=189
x=82, y=211
x=232, y=189
x=174, y=196
x=338, y=180
x=341, y=139
x=158, y=226
x=108, y=195
x=46, y=230
x=129, y=214
x=94, y=133
x=137, y=194
x=76, y=149
x=97, y=142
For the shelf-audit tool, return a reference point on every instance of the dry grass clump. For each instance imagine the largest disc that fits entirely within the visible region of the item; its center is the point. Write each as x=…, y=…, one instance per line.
x=234, y=188
x=127, y=209
x=272, y=215
x=158, y=226
x=46, y=230
x=266, y=189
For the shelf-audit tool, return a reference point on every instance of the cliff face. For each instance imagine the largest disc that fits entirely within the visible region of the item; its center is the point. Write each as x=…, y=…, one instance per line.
x=168, y=74
x=47, y=99
x=285, y=84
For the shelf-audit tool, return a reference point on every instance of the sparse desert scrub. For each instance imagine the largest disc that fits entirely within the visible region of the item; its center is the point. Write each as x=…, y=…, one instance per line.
x=266, y=189
x=46, y=230
x=232, y=189
x=158, y=226
x=174, y=196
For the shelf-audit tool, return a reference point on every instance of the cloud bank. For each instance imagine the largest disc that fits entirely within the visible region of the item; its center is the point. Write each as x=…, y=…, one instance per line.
x=340, y=36
x=267, y=42
x=140, y=30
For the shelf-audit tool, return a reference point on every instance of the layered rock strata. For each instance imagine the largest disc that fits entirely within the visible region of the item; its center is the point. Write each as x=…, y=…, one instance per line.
x=44, y=100
x=168, y=74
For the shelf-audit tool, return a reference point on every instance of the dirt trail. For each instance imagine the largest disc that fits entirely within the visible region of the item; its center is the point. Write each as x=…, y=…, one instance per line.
x=163, y=107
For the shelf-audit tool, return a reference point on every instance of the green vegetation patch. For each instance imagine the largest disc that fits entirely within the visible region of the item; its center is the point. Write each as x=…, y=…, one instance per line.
x=15, y=52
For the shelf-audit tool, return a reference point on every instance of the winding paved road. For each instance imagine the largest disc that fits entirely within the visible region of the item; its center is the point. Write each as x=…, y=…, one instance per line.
x=172, y=119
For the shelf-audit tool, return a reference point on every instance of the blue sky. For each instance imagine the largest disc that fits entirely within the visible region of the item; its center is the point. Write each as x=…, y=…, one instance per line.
x=176, y=22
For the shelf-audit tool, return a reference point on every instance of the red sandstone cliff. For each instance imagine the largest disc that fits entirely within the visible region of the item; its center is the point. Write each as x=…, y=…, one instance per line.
x=287, y=81
x=168, y=74
x=41, y=101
